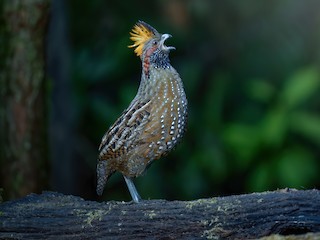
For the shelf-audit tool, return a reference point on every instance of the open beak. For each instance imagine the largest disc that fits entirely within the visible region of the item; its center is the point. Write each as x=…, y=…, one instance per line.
x=164, y=37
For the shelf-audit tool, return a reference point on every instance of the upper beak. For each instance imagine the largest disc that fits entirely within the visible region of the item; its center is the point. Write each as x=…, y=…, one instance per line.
x=164, y=37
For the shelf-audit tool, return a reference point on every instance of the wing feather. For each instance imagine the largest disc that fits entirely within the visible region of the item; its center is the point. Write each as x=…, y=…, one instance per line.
x=122, y=135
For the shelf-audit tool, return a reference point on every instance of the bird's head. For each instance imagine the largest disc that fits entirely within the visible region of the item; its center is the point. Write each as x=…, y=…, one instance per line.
x=149, y=43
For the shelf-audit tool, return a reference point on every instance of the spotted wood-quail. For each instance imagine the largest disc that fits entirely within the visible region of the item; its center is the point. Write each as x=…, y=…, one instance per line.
x=155, y=120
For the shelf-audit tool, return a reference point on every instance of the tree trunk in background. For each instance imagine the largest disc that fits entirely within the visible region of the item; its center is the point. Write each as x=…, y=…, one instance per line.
x=69, y=172
x=23, y=148
x=61, y=123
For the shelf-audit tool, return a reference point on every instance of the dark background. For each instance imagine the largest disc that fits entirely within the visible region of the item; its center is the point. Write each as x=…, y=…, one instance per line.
x=251, y=75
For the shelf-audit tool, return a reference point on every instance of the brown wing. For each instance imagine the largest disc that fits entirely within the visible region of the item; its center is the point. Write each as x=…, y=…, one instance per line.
x=125, y=131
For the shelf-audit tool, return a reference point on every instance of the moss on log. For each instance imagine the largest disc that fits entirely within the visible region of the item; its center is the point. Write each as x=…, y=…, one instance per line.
x=58, y=216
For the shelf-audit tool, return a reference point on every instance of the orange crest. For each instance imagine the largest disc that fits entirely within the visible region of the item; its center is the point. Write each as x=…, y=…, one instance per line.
x=140, y=34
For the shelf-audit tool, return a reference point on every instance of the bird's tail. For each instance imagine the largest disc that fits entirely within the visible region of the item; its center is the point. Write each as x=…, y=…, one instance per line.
x=102, y=176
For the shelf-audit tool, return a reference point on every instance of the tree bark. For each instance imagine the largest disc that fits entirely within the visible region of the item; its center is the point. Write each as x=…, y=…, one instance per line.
x=57, y=216
x=23, y=144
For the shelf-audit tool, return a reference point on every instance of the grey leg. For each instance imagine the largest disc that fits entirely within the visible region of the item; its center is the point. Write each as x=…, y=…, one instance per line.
x=132, y=189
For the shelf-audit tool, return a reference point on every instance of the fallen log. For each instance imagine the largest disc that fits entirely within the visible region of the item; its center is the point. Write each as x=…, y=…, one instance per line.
x=53, y=215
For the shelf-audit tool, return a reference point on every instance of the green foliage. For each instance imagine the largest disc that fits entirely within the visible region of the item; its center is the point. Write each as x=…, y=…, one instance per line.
x=288, y=163
x=307, y=124
x=301, y=86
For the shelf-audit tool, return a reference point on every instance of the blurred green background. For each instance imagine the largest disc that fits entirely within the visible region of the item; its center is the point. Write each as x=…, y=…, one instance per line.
x=250, y=70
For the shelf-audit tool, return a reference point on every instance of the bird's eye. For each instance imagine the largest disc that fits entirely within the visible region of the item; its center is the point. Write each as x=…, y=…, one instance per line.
x=154, y=42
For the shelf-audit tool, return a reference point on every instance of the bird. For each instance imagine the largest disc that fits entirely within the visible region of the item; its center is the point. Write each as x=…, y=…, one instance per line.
x=155, y=120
